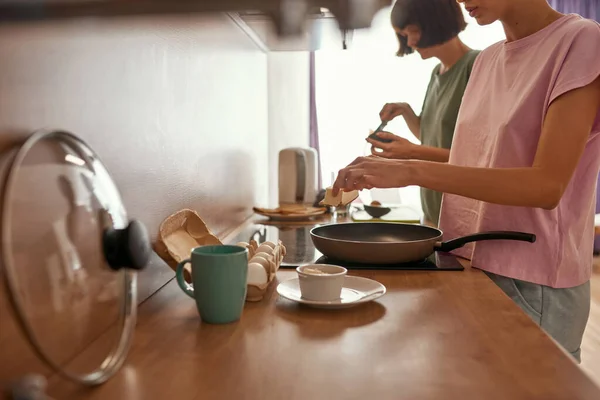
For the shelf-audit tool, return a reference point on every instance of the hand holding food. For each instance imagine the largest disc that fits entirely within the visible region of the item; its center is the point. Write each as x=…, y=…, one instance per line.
x=372, y=172
x=396, y=147
x=339, y=198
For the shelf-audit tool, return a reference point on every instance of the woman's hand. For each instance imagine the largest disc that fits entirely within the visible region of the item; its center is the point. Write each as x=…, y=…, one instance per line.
x=402, y=149
x=372, y=172
x=393, y=110
x=398, y=148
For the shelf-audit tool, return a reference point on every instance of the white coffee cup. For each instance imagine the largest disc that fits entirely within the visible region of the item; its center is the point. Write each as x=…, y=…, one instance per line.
x=321, y=282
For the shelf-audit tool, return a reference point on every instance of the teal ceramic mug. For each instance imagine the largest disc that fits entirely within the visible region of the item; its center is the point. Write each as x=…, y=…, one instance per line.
x=219, y=277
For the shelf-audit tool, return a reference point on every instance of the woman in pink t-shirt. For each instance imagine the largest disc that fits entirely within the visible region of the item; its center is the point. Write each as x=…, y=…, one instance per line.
x=525, y=157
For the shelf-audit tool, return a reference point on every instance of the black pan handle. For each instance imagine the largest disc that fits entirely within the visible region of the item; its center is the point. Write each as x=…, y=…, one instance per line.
x=500, y=235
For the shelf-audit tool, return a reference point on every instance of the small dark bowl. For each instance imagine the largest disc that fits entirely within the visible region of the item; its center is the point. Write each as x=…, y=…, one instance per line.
x=382, y=140
x=377, y=211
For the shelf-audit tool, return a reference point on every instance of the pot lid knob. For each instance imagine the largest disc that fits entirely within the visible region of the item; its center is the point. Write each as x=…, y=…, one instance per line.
x=127, y=248
x=30, y=387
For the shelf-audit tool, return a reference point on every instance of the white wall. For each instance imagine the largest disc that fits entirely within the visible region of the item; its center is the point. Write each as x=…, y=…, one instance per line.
x=289, y=114
x=175, y=106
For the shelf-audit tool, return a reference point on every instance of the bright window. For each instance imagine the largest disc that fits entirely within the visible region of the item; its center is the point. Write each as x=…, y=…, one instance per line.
x=353, y=85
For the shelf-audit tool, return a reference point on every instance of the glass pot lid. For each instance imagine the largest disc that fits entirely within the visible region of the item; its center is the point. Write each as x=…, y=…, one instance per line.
x=70, y=257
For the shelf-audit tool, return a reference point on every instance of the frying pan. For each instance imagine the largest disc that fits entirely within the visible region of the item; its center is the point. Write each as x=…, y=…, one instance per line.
x=393, y=243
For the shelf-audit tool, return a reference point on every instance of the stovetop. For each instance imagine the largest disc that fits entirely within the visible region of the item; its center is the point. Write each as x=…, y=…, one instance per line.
x=301, y=251
x=437, y=262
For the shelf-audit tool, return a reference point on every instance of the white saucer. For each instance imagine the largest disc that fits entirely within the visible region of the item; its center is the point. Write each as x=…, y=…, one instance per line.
x=356, y=291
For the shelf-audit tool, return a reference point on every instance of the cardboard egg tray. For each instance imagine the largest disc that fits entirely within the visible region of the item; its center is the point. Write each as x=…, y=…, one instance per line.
x=185, y=230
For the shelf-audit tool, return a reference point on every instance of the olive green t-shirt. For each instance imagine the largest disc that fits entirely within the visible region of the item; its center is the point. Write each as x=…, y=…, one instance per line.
x=439, y=115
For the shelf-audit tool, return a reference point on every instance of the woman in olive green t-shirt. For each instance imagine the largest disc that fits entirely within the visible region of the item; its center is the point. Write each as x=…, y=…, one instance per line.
x=431, y=28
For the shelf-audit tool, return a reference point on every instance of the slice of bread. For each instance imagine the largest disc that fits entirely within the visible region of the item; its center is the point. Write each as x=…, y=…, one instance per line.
x=342, y=198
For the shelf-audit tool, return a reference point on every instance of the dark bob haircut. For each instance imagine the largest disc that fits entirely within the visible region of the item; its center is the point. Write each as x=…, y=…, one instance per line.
x=439, y=21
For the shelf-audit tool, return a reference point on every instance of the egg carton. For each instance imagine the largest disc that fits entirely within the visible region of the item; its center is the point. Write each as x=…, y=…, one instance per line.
x=185, y=230
x=178, y=234
x=264, y=261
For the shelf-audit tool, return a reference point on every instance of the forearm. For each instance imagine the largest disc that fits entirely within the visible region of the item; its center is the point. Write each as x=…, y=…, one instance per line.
x=522, y=187
x=414, y=125
x=428, y=153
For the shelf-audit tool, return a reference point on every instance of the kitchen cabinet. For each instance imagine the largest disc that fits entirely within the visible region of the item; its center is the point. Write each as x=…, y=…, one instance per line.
x=275, y=25
x=288, y=15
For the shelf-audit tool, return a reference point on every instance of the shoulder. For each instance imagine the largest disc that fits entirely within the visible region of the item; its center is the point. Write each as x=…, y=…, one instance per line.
x=574, y=54
x=490, y=51
x=484, y=56
x=579, y=32
x=434, y=73
x=581, y=26
x=472, y=56
x=487, y=55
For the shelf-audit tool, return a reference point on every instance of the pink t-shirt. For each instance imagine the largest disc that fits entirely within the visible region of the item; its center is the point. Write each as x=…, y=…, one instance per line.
x=499, y=126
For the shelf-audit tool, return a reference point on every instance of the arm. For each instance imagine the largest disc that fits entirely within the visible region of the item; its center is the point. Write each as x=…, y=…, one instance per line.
x=565, y=133
x=393, y=110
x=414, y=124
x=428, y=153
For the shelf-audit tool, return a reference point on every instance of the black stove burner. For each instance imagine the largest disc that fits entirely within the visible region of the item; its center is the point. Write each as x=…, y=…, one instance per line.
x=437, y=262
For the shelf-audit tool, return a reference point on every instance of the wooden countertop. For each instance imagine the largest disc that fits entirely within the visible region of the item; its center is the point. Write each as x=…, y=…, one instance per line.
x=434, y=335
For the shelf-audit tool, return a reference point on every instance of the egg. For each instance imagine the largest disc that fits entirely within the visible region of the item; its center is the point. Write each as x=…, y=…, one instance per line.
x=261, y=261
x=264, y=248
x=264, y=255
x=257, y=274
x=274, y=267
x=270, y=244
x=276, y=254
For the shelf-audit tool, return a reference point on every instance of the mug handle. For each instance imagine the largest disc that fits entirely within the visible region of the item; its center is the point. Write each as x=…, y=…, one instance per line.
x=186, y=287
